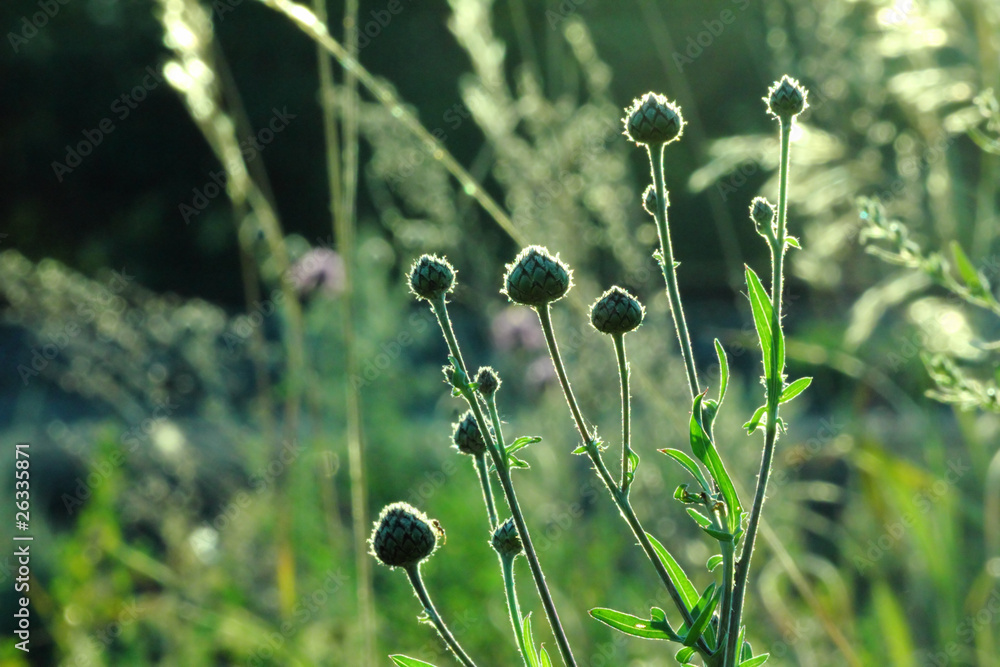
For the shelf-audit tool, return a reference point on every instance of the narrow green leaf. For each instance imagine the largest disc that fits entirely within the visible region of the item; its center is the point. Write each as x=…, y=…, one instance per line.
x=792, y=241
x=747, y=651
x=714, y=562
x=755, y=421
x=972, y=278
x=529, y=644
x=754, y=662
x=689, y=594
x=683, y=495
x=582, y=449
x=545, y=660
x=688, y=463
x=684, y=655
x=522, y=442
x=760, y=306
x=633, y=465
x=699, y=518
x=794, y=389
x=723, y=370
x=704, y=449
x=717, y=534
x=517, y=463
x=633, y=625
x=706, y=605
x=407, y=661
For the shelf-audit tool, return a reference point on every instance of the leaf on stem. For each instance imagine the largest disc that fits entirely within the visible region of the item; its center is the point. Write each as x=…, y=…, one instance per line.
x=760, y=304
x=635, y=626
x=704, y=450
x=529, y=646
x=973, y=279
x=633, y=465
x=754, y=662
x=689, y=594
x=684, y=655
x=699, y=518
x=794, y=389
x=688, y=464
x=706, y=606
x=723, y=370
x=407, y=661
x=714, y=562
x=756, y=421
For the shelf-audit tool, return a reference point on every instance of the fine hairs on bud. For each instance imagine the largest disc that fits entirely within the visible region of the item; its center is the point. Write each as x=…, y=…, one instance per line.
x=763, y=213
x=786, y=98
x=487, y=381
x=506, y=541
x=536, y=278
x=432, y=277
x=616, y=312
x=404, y=536
x=649, y=199
x=653, y=120
x=467, y=437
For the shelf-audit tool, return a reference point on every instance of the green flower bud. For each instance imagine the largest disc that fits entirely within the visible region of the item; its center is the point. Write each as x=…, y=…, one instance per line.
x=536, y=278
x=467, y=437
x=506, y=541
x=649, y=199
x=653, y=120
x=431, y=277
x=786, y=98
x=616, y=312
x=762, y=213
x=404, y=536
x=488, y=381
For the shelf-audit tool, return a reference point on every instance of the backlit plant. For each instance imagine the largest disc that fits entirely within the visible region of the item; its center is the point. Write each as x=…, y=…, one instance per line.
x=709, y=624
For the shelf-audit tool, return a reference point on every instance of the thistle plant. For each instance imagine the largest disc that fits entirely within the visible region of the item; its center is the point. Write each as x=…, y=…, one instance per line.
x=706, y=625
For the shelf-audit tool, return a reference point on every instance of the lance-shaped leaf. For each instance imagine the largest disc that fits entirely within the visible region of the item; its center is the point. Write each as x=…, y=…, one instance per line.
x=760, y=305
x=688, y=464
x=704, y=450
x=756, y=662
x=723, y=371
x=689, y=594
x=407, y=661
x=794, y=389
x=706, y=606
x=633, y=625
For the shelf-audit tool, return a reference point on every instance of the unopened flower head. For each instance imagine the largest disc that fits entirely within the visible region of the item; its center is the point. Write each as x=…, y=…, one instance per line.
x=506, y=541
x=649, y=199
x=653, y=120
x=786, y=98
x=467, y=437
x=404, y=536
x=762, y=213
x=487, y=381
x=616, y=312
x=431, y=277
x=536, y=278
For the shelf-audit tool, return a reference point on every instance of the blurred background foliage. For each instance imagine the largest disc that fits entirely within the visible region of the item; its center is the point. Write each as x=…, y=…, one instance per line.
x=148, y=342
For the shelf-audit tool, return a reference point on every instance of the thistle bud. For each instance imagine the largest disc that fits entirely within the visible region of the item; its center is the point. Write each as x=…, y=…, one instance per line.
x=467, y=437
x=403, y=536
x=488, y=381
x=506, y=541
x=431, y=277
x=786, y=98
x=649, y=199
x=653, y=120
x=616, y=312
x=762, y=213
x=536, y=278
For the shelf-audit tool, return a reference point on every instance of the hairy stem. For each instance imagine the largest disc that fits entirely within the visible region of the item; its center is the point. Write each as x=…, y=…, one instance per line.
x=620, y=498
x=774, y=388
x=513, y=608
x=413, y=572
x=670, y=270
x=484, y=481
x=503, y=472
x=619, y=340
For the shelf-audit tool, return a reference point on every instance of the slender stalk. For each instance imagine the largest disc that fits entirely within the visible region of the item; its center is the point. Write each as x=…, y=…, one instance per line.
x=440, y=309
x=513, y=608
x=619, y=340
x=413, y=572
x=670, y=270
x=620, y=498
x=484, y=481
x=773, y=393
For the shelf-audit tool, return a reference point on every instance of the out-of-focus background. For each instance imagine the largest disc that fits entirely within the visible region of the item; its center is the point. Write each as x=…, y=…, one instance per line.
x=208, y=440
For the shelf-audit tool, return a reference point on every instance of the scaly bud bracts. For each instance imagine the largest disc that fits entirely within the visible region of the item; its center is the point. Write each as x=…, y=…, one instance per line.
x=786, y=98
x=616, y=312
x=488, y=381
x=506, y=541
x=403, y=536
x=653, y=120
x=431, y=277
x=467, y=437
x=536, y=278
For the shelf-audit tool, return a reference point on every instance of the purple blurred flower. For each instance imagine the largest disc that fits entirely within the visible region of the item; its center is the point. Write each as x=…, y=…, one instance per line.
x=517, y=327
x=320, y=269
x=540, y=373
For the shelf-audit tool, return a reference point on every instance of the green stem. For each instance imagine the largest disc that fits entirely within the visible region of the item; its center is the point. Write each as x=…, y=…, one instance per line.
x=507, y=563
x=484, y=481
x=621, y=500
x=774, y=387
x=619, y=340
x=503, y=472
x=670, y=271
x=413, y=572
